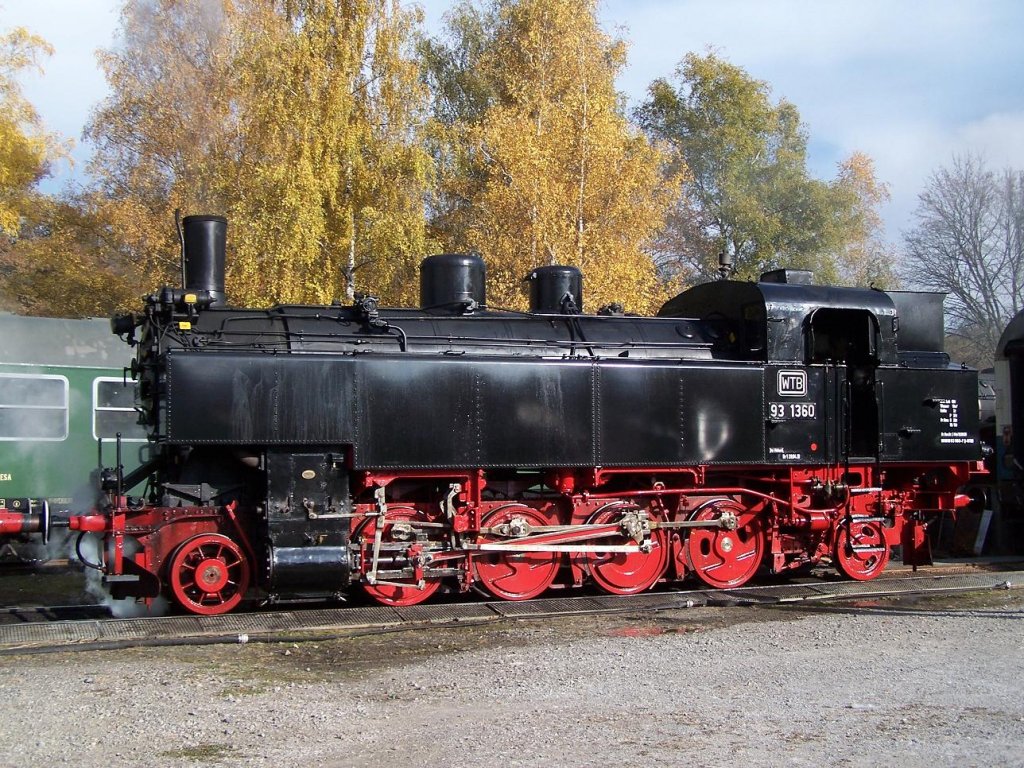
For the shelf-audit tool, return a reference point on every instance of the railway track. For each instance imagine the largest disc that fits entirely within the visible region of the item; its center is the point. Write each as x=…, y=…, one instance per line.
x=16, y=567
x=71, y=628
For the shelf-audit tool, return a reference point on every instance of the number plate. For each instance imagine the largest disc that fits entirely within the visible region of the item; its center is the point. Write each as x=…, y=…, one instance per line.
x=791, y=411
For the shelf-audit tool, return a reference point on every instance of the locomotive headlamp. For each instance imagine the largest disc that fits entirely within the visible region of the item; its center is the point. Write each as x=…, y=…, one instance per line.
x=124, y=324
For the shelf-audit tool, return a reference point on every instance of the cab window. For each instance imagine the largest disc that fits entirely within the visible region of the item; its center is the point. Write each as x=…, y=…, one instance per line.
x=114, y=411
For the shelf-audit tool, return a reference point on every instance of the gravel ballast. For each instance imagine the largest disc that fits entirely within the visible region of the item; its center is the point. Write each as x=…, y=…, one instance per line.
x=937, y=683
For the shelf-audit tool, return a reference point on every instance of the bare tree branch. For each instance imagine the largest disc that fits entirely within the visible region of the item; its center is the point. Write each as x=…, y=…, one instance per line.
x=969, y=243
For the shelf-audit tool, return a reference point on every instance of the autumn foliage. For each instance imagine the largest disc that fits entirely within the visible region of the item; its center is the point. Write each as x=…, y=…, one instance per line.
x=546, y=169
x=295, y=119
x=344, y=145
x=749, y=193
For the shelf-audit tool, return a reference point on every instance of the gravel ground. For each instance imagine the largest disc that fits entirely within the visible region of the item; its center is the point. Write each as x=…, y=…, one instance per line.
x=932, y=683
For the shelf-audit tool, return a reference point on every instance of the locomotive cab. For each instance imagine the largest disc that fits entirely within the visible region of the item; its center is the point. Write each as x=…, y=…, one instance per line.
x=845, y=355
x=848, y=339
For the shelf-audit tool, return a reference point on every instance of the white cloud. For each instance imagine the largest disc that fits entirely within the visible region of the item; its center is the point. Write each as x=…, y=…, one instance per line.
x=804, y=35
x=998, y=137
x=911, y=151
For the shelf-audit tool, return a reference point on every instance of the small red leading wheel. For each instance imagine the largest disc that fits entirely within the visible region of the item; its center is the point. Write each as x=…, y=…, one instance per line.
x=726, y=557
x=862, y=555
x=515, y=575
x=209, y=574
x=627, y=573
x=399, y=528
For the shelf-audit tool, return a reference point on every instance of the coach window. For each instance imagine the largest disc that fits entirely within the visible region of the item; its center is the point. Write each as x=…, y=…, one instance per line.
x=33, y=407
x=114, y=411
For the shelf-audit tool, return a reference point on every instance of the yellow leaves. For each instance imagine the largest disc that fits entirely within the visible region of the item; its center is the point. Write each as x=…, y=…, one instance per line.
x=305, y=122
x=22, y=161
x=295, y=118
x=26, y=149
x=62, y=264
x=32, y=273
x=344, y=161
x=550, y=171
x=866, y=259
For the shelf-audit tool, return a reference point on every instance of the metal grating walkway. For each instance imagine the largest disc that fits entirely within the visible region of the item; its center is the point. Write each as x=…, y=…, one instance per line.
x=72, y=633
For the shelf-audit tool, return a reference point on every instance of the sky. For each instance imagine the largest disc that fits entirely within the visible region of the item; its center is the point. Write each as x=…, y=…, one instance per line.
x=912, y=83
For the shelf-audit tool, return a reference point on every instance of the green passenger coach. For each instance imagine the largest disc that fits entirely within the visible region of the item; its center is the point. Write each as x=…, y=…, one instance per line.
x=63, y=400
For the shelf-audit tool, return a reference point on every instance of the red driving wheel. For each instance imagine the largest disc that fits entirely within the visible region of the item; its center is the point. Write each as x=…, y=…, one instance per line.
x=399, y=527
x=209, y=574
x=726, y=557
x=626, y=573
x=515, y=575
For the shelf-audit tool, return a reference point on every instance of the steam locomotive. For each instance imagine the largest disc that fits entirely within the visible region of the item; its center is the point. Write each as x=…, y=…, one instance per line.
x=313, y=450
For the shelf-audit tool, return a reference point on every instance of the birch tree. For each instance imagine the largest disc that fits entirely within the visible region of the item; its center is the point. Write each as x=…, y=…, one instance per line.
x=298, y=119
x=26, y=148
x=27, y=154
x=539, y=164
x=749, y=193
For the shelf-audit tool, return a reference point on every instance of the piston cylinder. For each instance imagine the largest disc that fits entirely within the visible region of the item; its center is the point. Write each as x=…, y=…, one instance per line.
x=324, y=569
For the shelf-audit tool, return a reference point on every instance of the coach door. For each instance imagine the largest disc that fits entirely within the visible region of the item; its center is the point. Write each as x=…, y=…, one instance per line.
x=845, y=341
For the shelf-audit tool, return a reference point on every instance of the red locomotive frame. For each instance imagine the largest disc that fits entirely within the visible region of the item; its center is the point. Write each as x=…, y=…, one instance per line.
x=616, y=529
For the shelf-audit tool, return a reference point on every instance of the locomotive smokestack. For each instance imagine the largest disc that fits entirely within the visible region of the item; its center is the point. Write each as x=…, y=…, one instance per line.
x=556, y=290
x=205, y=240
